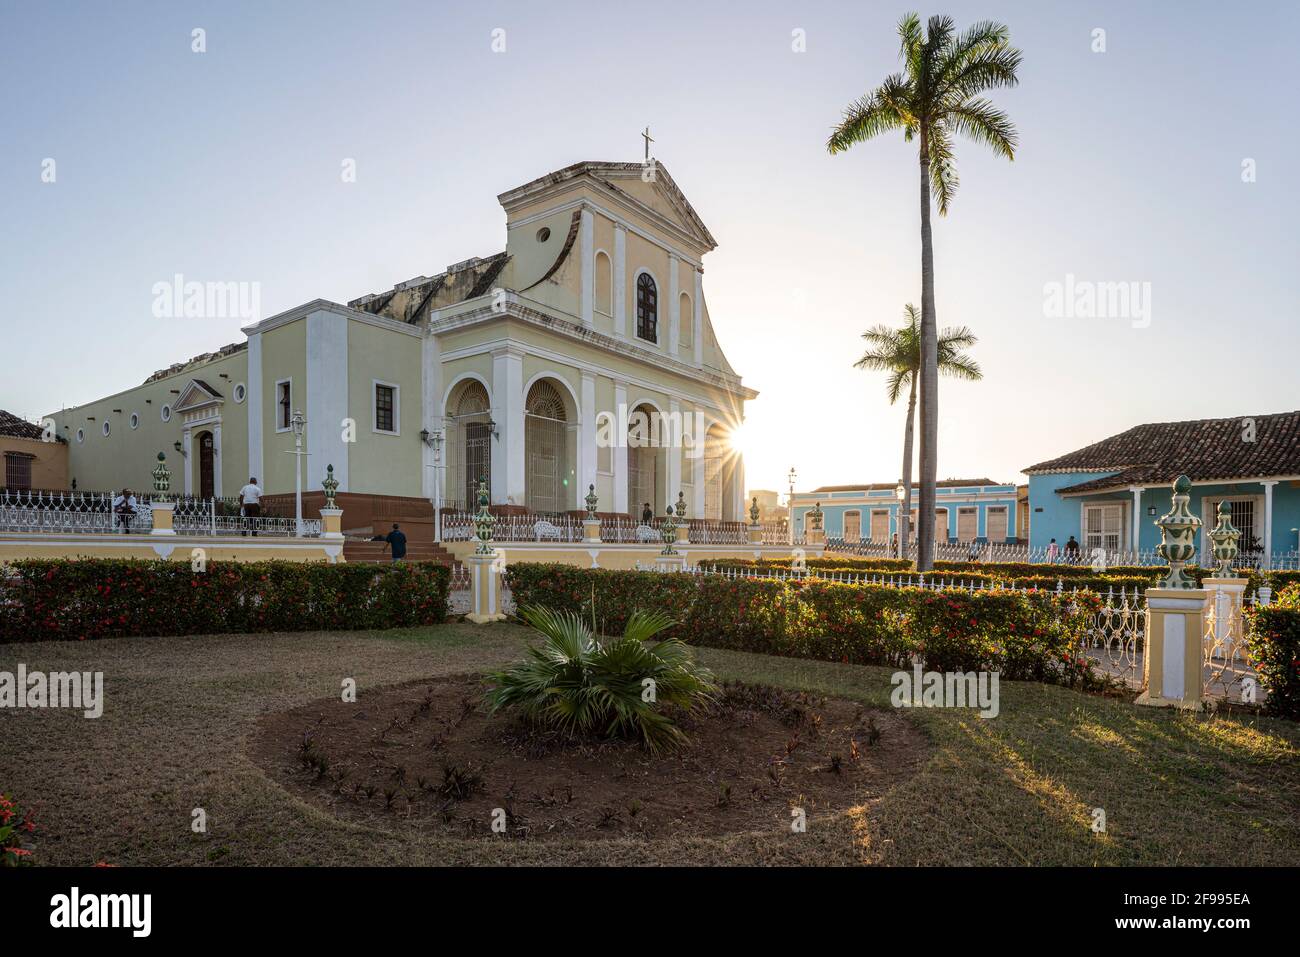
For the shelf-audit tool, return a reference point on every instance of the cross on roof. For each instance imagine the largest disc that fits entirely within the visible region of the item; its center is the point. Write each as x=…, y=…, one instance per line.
x=648, y=140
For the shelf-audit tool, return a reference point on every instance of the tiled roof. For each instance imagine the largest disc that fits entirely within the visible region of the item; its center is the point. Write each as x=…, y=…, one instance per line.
x=1202, y=449
x=18, y=428
x=890, y=486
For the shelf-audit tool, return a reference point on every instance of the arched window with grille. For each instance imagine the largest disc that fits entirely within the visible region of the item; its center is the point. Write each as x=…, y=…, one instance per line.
x=469, y=445
x=546, y=457
x=647, y=308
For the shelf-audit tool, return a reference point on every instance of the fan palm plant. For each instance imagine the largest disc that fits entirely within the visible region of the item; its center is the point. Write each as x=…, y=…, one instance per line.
x=898, y=352
x=578, y=685
x=936, y=97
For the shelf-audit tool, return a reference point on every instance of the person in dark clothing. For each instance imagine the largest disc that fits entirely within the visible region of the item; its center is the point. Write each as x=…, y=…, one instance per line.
x=647, y=514
x=1071, y=550
x=397, y=541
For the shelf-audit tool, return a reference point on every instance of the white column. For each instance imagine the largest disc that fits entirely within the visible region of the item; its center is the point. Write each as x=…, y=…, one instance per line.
x=216, y=460
x=508, y=396
x=674, y=450
x=1268, y=523
x=189, y=472
x=620, y=280
x=430, y=405
x=620, y=446
x=674, y=307
x=587, y=436
x=697, y=336
x=1134, y=543
x=697, y=478
x=253, y=408
x=326, y=403
x=738, y=490
x=588, y=239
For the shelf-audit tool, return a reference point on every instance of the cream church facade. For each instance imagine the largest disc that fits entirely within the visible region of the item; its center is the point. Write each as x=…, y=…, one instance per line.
x=582, y=355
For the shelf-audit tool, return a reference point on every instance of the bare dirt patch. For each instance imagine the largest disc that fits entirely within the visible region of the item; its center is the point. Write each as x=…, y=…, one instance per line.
x=427, y=753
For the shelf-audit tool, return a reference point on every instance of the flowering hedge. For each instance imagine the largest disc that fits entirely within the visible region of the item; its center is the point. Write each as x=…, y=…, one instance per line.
x=1023, y=635
x=15, y=826
x=45, y=600
x=1275, y=649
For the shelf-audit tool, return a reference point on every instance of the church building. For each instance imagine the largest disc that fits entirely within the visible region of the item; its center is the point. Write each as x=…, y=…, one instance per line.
x=581, y=355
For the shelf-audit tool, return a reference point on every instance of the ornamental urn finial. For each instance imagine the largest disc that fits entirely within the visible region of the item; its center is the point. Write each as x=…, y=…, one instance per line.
x=591, y=501
x=331, y=485
x=1178, y=529
x=753, y=511
x=162, y=478
x=484, y=521
x=815, y=517
x=680, y=507
x=1225, y=536
x=669, y=531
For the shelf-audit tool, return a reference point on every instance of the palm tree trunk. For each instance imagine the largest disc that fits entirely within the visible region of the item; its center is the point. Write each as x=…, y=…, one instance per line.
x=904, y=516
x=929, y=374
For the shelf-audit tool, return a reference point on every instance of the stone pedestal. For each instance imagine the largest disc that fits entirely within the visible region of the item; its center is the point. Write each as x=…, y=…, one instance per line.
x=1173, y=665
x=670, y=563
x=163, y=514
x=683, y=534
x=331, y=523
x=591, y=529
x=485, y=589
x=816, y=536
x=755, y=534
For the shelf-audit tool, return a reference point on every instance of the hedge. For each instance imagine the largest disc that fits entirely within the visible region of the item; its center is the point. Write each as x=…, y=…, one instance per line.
x=1023, y=635
x=44, y=600
x=1275, y=649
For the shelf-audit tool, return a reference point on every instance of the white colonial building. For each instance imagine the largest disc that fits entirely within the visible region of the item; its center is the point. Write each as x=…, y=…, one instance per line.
x=582, y=355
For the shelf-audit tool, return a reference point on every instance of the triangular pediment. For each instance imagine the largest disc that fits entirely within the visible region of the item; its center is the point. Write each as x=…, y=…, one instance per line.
x=197, y=394
x=647, y=189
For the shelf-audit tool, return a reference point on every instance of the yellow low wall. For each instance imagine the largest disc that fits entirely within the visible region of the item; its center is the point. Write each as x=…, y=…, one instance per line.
x=602, y=555
x=176, y=548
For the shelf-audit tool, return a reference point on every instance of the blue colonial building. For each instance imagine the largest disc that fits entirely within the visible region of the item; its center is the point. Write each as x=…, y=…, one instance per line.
x=1109, y=494
x=966, y=510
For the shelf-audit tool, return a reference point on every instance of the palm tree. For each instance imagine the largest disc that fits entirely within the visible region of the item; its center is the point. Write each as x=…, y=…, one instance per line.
x=935, y=98
x=898, y=352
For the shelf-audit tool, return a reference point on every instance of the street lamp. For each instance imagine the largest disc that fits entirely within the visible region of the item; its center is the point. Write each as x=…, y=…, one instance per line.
x=900, y=493
x=434, y=441
x=298, y=422
x=789, y=506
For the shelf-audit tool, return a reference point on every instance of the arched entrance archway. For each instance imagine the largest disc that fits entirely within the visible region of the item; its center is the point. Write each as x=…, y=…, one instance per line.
x=549, y=466
x=469, y=444
x=720, y=461
x=646, y=463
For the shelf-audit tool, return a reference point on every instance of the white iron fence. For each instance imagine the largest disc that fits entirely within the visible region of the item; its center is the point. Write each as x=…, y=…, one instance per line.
x=92, y=513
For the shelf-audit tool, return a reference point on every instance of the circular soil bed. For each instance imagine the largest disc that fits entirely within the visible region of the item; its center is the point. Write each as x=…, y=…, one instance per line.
x=428, y=753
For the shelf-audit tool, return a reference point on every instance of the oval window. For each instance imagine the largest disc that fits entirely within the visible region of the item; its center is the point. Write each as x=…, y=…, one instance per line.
x=166, y=413
x=105, y=429
x=81, y=435
x=135, y=420
x=543, y=234
x=240, y=392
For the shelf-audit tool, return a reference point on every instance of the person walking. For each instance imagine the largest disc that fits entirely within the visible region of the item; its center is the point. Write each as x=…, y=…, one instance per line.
x=250, y=504
x=124, y=506
x=396, y=539
x=1053, y=550
x=1072, y=551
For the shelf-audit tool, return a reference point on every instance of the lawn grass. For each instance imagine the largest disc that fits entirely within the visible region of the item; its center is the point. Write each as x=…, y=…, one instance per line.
x=1019, y=789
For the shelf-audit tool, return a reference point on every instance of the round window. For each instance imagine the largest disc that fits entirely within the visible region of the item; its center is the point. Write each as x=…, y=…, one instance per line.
x=135, y=420
x=543, y=234
x=166, y=413
x=240, y=392
x=81, y=435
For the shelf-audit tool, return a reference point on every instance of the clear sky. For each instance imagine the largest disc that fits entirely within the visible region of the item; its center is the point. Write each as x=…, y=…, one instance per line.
x=225, y=166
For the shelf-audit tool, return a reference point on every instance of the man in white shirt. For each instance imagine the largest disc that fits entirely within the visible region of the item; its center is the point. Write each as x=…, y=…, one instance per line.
x=250, y=498
x=124, y=509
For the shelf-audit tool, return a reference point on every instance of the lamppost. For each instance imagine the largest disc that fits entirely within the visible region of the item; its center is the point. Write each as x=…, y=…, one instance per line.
x=900, y=493
x=434, y=441
x=789, y=506
x=298, y=422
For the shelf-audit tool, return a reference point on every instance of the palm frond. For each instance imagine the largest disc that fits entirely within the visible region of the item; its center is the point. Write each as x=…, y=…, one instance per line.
x=981, y=121
x=882, y=111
